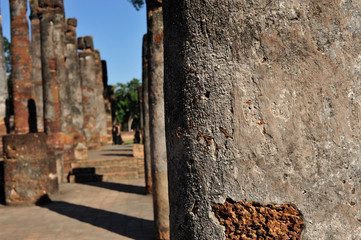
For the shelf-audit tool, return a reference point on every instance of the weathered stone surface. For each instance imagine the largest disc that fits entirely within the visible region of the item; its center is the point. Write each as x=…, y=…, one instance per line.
x=70, y=31
x=23, y=88
x=157, y=125
x=52, y=5
x=146, y=131
x=101, y=117
x=75, y=90
x=52, y=55
x=30, y=169
x=138, y=150
x=36, y=60
x=57, y=106
x=88, y=83
x=81, y=151
x=263, y=104
x=107, y=101
x=72, y=22
x=85, y=43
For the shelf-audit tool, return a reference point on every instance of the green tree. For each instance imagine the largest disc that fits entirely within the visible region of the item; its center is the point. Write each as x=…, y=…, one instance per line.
x=138, y=4
x=7, y=55
x=127, y=103
x=7, y=52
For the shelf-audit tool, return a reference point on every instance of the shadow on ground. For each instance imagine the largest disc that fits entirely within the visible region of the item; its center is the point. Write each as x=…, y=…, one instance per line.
x=121, y=224
x=118, y=187
x=118, y=154
x=117, y=150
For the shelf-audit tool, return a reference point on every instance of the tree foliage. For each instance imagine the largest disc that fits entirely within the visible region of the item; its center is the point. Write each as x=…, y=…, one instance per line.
x=7, y=55
x=7, y=51
x=138, y=4
x=127, y=103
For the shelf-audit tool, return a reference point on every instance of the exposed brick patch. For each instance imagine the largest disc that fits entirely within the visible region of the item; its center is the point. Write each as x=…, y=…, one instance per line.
x=244, y=221
x=158, y=38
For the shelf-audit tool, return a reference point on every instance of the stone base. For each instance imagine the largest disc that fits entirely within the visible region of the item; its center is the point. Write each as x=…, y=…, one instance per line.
x=81, y=152
x=29, y=169
x=138, y=150
x=104, y=140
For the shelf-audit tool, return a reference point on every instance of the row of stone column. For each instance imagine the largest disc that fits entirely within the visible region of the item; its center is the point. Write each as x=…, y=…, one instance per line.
x=57, y=89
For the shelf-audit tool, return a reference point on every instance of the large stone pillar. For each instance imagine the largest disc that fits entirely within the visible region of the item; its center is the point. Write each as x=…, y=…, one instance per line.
x=35, y=50
x=89, y=91
x=57, y=115
x=157, y=125
x=263, y=119
x=23, y=88
x=75, y=90
x=107, y=102
x=101, y=118
x=30, y=169
x=146, y=133
x=140, y=102
x=3, y=84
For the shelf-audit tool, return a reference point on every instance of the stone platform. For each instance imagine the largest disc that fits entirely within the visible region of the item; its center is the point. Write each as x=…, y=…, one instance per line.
x=110, y=163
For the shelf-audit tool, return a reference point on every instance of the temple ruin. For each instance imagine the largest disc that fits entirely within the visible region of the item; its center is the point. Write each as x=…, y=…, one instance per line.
x=250, y=109
x=56, y=89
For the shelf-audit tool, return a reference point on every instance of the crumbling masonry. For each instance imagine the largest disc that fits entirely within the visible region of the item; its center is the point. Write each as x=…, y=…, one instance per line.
x=47, y=75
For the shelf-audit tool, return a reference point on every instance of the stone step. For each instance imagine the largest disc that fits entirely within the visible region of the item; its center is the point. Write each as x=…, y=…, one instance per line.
x=108, y=165
x=85, y=178
x=120, y=176
x=107, y=177
x=104, y=162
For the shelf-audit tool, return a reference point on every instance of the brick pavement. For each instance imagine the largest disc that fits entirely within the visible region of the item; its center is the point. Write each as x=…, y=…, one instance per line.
x=104, y=210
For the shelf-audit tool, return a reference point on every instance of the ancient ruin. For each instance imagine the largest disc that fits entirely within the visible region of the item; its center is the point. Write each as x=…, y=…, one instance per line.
x=35, y=50
x=57, y=109
x=101, y=116
x=30, y=169
x=261, y=135
x=75, y=90
x=23, y=88
x=89, y=88
x=156, y=119
x=48, y=67
x=146, y=131
x=107, y=94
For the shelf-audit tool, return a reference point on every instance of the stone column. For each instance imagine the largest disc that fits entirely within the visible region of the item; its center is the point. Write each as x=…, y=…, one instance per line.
x=23, y=88
x=89, y=91
x=3, y=83
x=157, y=125
x=146, y=133
x=57, y=115
x=101, y=118
x=140, y=100
x=35, y=50
x=75, y=90
x=263, y=119
x=107, y=101
x=30, y=169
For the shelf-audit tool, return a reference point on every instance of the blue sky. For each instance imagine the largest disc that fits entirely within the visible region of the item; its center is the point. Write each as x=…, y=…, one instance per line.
x=117, y=29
